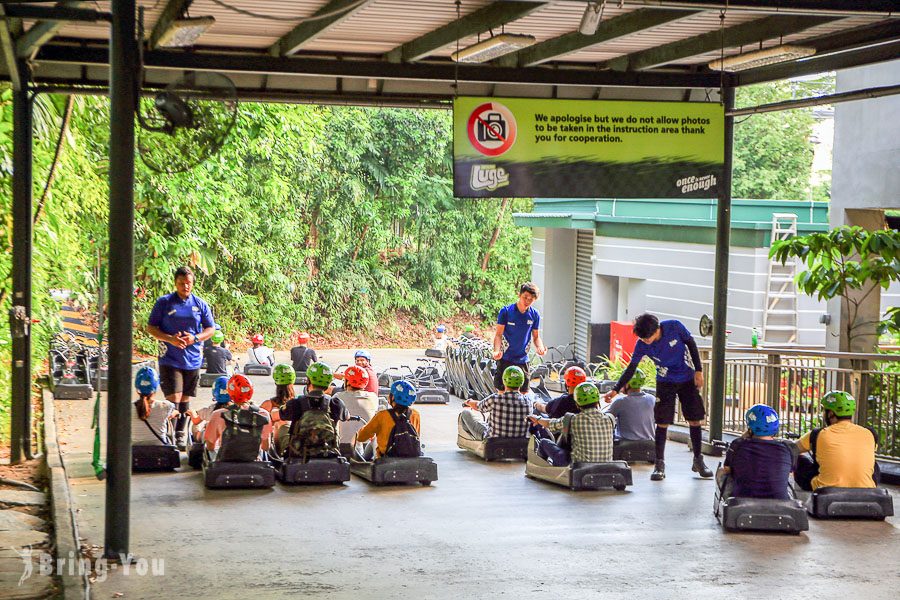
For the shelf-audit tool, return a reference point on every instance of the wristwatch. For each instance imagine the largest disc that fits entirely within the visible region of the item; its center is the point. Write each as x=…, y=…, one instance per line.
x=196, y=339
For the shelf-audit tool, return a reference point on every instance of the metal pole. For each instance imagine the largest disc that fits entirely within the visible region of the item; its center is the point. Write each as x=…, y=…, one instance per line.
x=123, y=79
x=720, y=293
x=875, y=92
x=20, y=417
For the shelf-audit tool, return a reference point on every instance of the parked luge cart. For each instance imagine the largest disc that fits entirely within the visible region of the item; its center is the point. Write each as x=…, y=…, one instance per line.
x=391, y=470
x=69, y=379
x=578, y=476
x=219, y=473
x=632, y=451
x=295, y=471
x=758, y=514
x=850, y=503
x=496, y=448
x=260, y=370
x=154, y=458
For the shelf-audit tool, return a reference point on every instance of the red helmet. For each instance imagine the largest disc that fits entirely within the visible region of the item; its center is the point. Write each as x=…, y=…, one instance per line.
x=575, y=376
x=240, y=390
x=257, y=338
x=302, y=338
x=356, y=377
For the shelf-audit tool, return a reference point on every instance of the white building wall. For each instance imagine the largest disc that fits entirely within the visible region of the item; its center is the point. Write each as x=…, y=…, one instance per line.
x=553, y=270
x=675, y=280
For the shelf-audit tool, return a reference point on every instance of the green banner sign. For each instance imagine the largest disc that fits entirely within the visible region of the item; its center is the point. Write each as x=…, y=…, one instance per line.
x=536, y=148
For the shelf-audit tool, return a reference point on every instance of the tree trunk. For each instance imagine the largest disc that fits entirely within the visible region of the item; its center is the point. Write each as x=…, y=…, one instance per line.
x=362, y=238
x=312, y=243
x=496, y=234
x=51, y=175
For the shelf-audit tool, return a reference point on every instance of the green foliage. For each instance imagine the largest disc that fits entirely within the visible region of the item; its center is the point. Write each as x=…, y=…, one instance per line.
x=842, y=261
x=772, y=153
x=317, y=218
x=615, y=369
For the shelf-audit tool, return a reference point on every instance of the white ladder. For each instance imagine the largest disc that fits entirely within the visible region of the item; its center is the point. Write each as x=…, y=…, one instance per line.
x=780, y=311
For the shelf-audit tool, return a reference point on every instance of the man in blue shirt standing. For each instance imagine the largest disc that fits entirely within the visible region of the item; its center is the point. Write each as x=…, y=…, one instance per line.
x=183, y=322
x=518, y=324
x=679, y=373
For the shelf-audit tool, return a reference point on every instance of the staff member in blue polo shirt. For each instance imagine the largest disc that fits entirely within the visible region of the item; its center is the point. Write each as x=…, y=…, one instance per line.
x=679, y=374
x=518, y=324
x=182, y=321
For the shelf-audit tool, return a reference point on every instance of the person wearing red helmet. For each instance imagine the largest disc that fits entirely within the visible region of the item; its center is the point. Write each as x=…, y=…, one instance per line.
x=302, y=355
x=359, y=401
x=241, y=413
x=259, y=354
x=559, y=406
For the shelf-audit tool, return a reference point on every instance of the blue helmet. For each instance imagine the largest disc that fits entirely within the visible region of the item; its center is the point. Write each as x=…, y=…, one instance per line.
x=441, y=329
x=220, y=391
x=762, y=420
x=146, y=381
x=404, y=392
x=364, y=354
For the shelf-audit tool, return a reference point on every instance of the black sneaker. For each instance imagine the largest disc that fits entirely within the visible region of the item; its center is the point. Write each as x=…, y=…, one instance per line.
x=701, y=468
x=659, y=471
x=180, y=442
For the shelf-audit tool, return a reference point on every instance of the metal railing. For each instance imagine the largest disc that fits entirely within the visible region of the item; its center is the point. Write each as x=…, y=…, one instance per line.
x=793, y=381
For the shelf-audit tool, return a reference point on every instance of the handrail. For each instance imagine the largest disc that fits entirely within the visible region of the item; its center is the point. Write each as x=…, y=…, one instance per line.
x=795, y=351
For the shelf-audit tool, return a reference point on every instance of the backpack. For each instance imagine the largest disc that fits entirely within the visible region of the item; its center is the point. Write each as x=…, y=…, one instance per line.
x=243, y=434
x=404, y=441
x=314, y=435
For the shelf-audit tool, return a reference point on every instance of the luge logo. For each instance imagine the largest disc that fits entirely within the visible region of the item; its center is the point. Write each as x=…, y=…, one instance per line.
x=492, y=129
x=489, y=177
x=694, y=183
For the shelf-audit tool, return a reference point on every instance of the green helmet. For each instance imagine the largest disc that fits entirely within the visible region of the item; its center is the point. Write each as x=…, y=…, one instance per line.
x=841, y=404
x=513, y=377
x=319, y=374
x=586, y=393
x=284, y=374
x=638, y=380
x=469, y=328
x=218, y=337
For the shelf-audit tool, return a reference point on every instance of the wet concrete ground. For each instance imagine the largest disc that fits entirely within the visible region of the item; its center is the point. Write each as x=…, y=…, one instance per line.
x=481, y=531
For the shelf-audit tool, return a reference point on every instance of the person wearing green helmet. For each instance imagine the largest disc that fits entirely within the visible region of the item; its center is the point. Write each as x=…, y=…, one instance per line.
x=634, y=411
x=589, y=433
x=313, y=416
x=469, y=332
x=284, y=375
x=507, y=411
x=216, y=354
x=842, y=454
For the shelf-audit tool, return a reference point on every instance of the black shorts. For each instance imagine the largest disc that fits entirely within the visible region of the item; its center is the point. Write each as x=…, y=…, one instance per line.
x=173, y=380
x=689, y=396
x=498, y=375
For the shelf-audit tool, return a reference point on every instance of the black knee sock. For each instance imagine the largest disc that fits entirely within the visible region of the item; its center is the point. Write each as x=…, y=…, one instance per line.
x=661, y=443
x=183, y=407
x=696, y=440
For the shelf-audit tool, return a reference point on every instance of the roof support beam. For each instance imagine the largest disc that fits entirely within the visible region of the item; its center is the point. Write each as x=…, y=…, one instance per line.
x=8, y=28
x=610, y=29
x=41, y=32
x=444, y=72
x=336, y=11
x=172, y=11
x=840, y=8
x=488, y=17
x=738, y=35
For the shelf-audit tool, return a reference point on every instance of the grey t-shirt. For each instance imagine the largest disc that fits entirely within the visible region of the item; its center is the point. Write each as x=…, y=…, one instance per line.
x=634, y=413
x=160, y=411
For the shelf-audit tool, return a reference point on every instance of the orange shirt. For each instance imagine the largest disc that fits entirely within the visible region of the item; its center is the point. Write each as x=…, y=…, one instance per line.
x=846, y=456
x=381, y=426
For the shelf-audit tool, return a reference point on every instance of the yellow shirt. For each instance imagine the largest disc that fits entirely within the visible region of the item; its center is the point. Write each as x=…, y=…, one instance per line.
x=381, y=426
x=846, y=456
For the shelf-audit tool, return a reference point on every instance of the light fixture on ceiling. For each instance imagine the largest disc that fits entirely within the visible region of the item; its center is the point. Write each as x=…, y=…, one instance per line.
x=185, y=31
x=590, y=20
x=493, y=47
x=761, y=58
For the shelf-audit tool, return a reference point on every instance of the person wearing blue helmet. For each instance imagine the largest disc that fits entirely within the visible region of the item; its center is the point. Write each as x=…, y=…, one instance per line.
x=221, y=399
x=757, y=465
x=150, y=419
x=396, y=430
x=363, y=359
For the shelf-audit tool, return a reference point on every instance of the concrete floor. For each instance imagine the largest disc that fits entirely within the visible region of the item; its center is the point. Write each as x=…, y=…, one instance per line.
x=481, y=531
